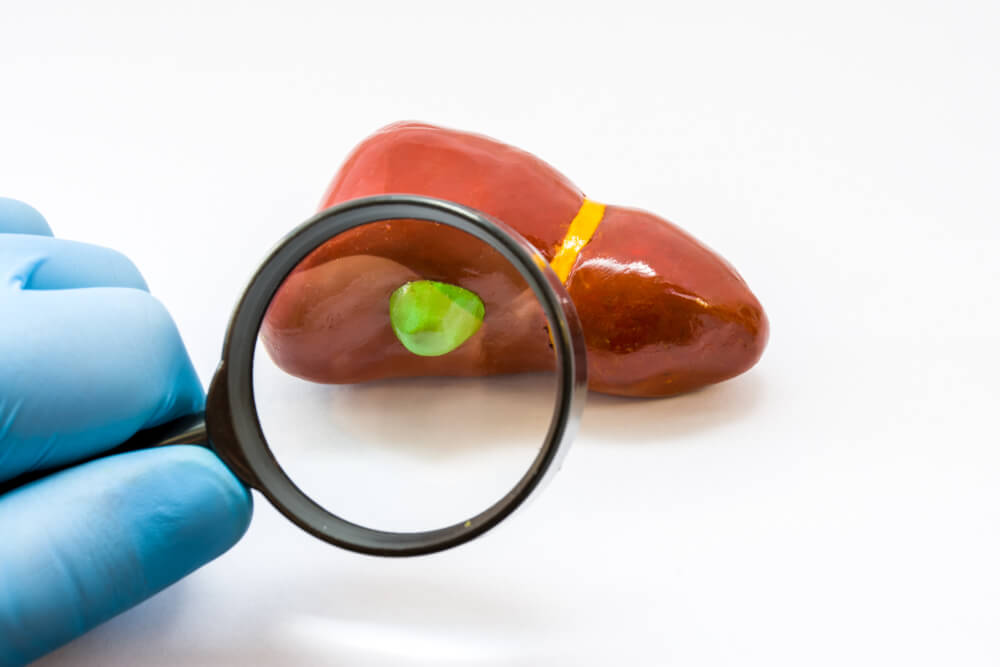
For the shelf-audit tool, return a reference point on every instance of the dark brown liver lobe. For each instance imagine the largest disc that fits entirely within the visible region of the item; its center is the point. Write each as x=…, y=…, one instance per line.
x=662, y=314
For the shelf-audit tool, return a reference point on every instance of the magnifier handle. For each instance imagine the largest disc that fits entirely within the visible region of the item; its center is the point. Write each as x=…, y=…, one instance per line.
x=187, y=430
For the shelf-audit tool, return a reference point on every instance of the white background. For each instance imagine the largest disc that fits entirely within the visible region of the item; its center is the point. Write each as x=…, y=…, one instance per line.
x=836, y=505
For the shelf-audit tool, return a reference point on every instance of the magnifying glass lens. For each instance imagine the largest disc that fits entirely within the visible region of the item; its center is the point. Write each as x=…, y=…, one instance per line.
x=404, y=376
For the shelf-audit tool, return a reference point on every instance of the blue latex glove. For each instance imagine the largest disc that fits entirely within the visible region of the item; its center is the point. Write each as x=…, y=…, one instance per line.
x=87, y=358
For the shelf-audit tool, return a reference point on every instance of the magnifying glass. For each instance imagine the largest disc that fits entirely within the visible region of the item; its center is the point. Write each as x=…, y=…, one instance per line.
x=399, y=376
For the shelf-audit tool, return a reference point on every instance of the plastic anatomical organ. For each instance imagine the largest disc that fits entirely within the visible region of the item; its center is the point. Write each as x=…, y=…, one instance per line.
x=662, y=313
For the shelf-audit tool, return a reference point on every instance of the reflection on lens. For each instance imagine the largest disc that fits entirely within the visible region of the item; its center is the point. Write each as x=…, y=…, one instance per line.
x=404, y=376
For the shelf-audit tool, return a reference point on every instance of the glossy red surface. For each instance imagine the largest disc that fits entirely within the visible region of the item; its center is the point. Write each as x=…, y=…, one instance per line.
x=506, y=182
x=662, y=314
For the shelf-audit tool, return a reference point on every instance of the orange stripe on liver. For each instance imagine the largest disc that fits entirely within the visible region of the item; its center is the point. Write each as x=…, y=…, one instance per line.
x=577, y=236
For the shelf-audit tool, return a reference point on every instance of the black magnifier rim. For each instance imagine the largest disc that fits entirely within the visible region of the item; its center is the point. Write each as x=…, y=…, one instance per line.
x=231, y=418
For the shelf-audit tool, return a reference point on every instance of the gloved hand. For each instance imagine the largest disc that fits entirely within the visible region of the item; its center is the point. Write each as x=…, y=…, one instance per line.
x=87, y=358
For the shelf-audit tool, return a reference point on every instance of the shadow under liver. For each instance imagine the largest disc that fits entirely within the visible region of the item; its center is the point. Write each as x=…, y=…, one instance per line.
x=640, y=420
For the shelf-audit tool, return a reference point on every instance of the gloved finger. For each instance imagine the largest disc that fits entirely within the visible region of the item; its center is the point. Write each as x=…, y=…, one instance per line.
x=83, y=370
x=16, y=217
x=41, y=262
x=90, y=542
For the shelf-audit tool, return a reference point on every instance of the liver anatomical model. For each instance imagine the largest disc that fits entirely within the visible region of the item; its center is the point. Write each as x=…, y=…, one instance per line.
x=662, y=314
